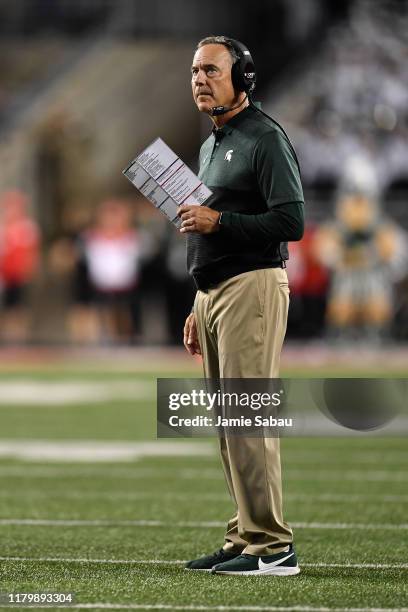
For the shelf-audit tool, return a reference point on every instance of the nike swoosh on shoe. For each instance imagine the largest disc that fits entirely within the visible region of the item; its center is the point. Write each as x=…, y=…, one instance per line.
x=262, y=565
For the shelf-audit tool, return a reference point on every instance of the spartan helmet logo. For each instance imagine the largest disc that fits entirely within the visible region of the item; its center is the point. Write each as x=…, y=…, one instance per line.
x=228, y=155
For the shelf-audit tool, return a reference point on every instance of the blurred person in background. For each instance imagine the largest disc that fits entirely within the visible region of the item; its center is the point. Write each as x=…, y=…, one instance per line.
x=359, y=248
x=309, y=280
x=19, y=259
x=110, y=262
x=355, y=96
x=178, y=287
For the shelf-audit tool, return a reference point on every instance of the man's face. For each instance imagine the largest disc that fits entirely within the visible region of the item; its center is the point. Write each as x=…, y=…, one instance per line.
x=211, y=77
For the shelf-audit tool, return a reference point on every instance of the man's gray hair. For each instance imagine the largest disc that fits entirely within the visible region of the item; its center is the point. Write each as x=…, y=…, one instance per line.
x=220, y=40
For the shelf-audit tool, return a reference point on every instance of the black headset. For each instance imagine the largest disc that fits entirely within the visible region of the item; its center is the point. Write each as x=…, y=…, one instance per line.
x=243, y=77
x=243, y=73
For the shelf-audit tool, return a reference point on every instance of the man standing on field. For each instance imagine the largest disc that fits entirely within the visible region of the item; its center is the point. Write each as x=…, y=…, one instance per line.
x=236, y=252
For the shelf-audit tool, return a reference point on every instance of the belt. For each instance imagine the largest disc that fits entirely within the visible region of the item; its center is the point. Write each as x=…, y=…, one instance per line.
x=205, y=285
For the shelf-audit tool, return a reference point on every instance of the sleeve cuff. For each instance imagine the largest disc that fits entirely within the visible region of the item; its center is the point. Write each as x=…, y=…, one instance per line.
x=226, y=220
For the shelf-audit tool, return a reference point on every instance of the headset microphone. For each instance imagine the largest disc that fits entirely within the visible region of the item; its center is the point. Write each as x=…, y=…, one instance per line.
x=221, y=110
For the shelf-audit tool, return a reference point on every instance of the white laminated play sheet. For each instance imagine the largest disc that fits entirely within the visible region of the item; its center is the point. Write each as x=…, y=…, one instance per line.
x=165, y=180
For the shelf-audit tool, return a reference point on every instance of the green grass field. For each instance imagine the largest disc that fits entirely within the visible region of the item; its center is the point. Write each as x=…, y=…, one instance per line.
x=116, y=532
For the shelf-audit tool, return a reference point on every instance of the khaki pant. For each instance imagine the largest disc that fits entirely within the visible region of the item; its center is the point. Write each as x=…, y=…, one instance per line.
x=241, y=326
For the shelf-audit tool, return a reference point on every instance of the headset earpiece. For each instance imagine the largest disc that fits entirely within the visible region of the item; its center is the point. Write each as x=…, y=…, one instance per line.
x=243, y=74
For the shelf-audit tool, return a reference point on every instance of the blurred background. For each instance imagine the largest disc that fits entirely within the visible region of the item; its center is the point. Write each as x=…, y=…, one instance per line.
x=85, y=85
x=94, y=293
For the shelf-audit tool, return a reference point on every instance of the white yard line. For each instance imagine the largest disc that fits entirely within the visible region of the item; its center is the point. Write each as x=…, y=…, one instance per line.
x=353, y=475
x=103, y=471
x=96, y=450
x=352, y=456
x=345, y=498
x=25, y=393
x=376, y=526
x=359, y=565
x=121, y=451
x=387, y=566
x=308, y=456
x=115, y=495
x=187, y=524
x=245, y=608
x=102, y=561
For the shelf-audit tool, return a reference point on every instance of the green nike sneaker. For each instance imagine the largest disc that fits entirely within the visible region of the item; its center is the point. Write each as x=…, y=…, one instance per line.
x=205, y=564
x=282, y=564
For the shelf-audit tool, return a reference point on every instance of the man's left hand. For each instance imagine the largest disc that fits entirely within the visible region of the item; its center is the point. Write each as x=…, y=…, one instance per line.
x=198, y=219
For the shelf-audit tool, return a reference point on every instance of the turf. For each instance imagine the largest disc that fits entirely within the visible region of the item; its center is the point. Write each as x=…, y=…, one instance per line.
x=342, y=482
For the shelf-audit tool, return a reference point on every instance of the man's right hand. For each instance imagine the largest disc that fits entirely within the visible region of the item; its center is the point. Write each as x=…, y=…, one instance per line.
x=190, y=335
